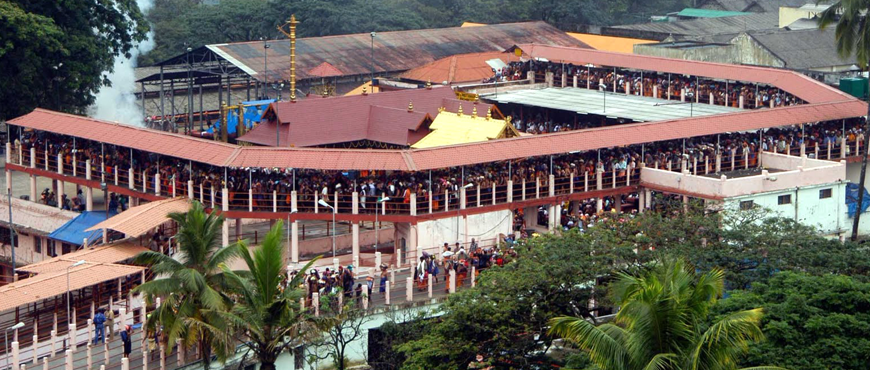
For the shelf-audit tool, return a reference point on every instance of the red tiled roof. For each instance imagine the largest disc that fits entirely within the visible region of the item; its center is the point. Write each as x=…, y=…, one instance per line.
x=458, y=68
x=325, y=70
x=160, y=142
x=795, y=83
x=825, y=103
x=323, y=121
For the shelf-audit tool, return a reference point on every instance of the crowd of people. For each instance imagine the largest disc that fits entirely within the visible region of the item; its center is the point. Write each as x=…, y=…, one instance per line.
x=642, y=83
x=443, y=184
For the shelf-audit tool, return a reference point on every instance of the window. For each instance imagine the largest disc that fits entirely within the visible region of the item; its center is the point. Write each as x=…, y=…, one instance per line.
x=51, y=250
x=784, y=199
x=37, y=244
x=746, y=204
x=825, y=193
x=4, y=236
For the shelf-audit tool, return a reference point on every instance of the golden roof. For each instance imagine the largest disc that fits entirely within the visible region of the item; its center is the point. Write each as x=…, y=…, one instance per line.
x=450, y=128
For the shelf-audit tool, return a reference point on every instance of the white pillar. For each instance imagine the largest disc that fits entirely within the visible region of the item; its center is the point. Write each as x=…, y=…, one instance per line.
x=452, y=281
x=190, y=189
x=16, y=360
x=69, y=360
x=409, y=288
x=89, y=192
x=225, y=206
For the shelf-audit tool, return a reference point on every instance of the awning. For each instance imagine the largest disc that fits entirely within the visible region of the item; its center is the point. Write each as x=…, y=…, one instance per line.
x=76, y=230
x=113, y=253
x=496, y=64
x=253, y=112
x=45, y=286
x=140, y=219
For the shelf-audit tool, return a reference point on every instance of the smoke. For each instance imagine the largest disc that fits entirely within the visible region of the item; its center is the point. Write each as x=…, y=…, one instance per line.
x=118, y=102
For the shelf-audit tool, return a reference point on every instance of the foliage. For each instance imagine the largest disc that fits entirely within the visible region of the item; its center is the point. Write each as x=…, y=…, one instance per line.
x=193, y=286
x=660, y=323
x=53, y=54
x=749, y=246
x=811, y=322
x=402, y=326
x=268, y=318
x=506, y=316
x=342, y=325
x=180, y=22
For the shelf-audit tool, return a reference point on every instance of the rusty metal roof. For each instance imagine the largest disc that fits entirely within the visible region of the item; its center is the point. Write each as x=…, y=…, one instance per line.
x=824, y=103
x=34, y=217
x=395, y=51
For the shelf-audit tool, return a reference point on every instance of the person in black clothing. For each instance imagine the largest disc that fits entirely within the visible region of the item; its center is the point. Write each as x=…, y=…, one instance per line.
x=127, y=340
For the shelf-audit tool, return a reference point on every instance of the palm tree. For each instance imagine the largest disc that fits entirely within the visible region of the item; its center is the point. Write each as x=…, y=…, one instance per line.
x=269, y=318
x=191, y=286
x=660, y=324
x=853, y=36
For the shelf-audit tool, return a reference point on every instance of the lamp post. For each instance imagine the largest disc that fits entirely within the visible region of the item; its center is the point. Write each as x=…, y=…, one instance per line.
x=373, y=59
x=189, y=126
x=11, y=233
x=377, y=229
x=6, y=338
x=323, y=203
x=105, y=188
x=79, y=263
x=266, y=47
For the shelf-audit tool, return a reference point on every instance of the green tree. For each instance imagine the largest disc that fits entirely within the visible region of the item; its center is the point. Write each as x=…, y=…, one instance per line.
x=267, y=317
x=660, y=324
x=853, y=37
x=505, y=317
x=192, y=287
x=54, y=54
x=810, y=322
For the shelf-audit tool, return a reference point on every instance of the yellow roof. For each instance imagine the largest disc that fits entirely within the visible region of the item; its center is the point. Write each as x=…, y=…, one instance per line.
x=455, y=128
x=472, y=24
x=359, y=89
x=610, y=43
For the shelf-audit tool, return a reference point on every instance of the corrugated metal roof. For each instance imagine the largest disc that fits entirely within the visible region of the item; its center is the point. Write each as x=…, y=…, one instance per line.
x=395, y=51
x=139, y=220
x=708, y=13
x=697, y=27
x=825, y=103
x=44, y=286
x=804, y=49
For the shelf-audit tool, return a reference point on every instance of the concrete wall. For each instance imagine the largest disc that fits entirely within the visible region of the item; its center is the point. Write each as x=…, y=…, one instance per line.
x=456, y=229
x=344, y=241
x=787, y=15
x=711, y=53
x=24, y=251
x=829, y=215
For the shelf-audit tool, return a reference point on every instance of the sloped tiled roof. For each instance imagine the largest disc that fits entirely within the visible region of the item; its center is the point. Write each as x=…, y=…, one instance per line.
x=112, y=253
x=458, y=68
x=34, y=217
x=139, y=220
x=325, y=70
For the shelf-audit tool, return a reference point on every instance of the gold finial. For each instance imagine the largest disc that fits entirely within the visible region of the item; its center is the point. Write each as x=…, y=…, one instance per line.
x=507, y=119
x=428, y=85
x=489, y=114
x=365, y=91
x=410, y=106
x=325, y=91
x=460, y=110
x=441, y=109
x=474, y=112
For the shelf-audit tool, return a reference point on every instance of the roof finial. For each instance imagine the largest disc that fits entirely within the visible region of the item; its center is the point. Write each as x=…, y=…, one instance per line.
x=441, y=109
x=428, y=84
x=460, y=110
x=489, y=113
x=410, y=106
x=365, y=91
x=325, y=91
x=474, y=112
x=292, y=97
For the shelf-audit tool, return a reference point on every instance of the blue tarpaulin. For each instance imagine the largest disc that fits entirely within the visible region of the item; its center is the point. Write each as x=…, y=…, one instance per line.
x=73, y=232
x=852, y=199
x=253, y=112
